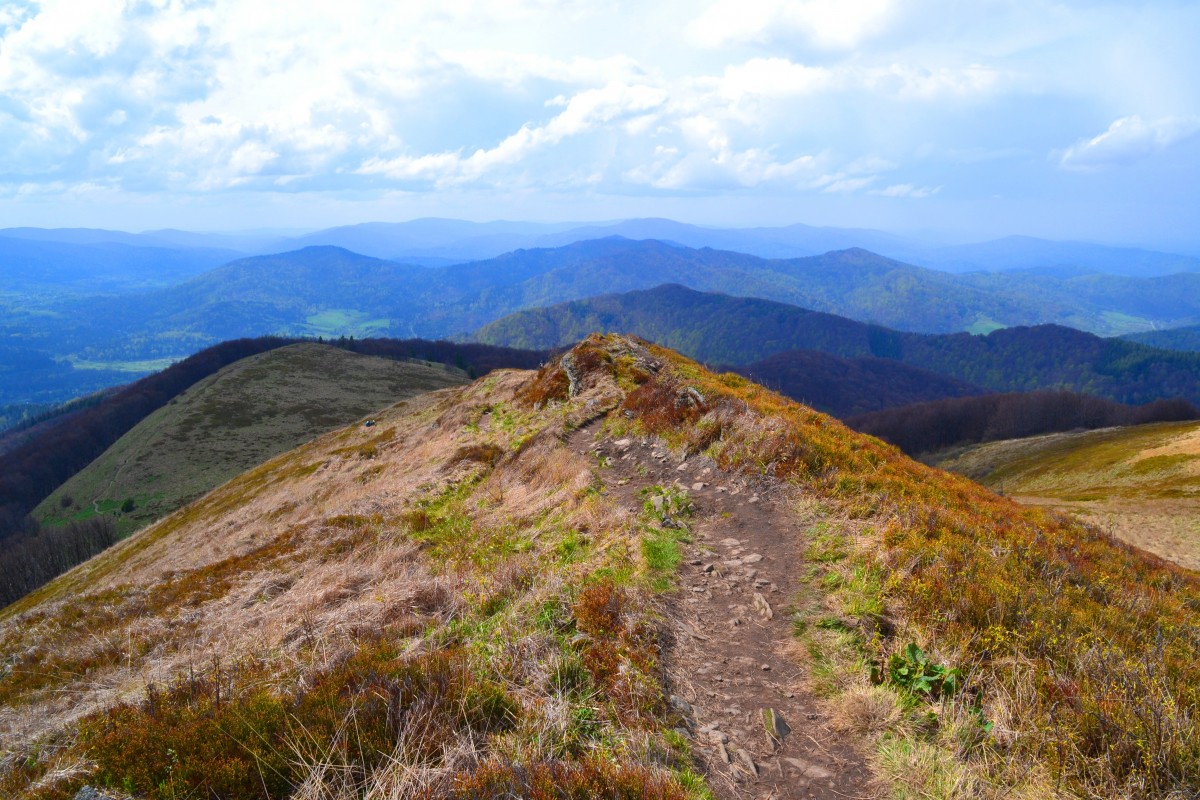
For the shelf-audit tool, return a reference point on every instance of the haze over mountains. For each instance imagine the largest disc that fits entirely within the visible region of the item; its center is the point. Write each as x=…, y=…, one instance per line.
x=441, y=241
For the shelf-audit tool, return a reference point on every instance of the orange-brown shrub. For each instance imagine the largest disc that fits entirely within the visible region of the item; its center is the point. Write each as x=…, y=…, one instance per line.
x=662, y=404
x=589, y=779
x=485, y=453
x=233, y=733
x=550, y=383
x=634, y=693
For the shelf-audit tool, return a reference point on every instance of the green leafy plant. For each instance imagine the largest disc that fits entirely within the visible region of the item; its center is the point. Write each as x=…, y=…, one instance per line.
x=913, y=671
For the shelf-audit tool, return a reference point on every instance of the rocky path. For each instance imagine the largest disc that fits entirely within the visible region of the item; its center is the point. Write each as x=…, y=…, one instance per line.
x=733, y=682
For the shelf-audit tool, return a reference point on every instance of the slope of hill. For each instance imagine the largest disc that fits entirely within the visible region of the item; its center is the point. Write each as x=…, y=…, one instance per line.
x=844, y=387
x=1141, y=483
x=1028, y=253
x=1185, y=338
x=38, y=465
x=229, y=422
x=477, y=598
x=929, y=427
x=736, y=330
x=29, y=266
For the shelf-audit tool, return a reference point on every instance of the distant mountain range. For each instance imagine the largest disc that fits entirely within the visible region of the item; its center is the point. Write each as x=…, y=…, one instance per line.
x=35, y=267
x=121, y=307
x=722, y=329
x=438, y=242
x=331, y=291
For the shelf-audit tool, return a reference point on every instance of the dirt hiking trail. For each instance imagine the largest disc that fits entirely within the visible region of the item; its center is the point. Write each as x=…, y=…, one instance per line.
x=730, y=622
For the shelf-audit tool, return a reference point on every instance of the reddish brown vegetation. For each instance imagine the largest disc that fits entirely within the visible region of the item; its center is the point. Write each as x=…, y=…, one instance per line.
x=589, y=779
x=600, y=614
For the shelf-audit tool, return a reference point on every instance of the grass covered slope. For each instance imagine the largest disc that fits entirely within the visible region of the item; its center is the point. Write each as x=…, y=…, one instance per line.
x=1142, y=483
x=451, y=604
x=231, y=421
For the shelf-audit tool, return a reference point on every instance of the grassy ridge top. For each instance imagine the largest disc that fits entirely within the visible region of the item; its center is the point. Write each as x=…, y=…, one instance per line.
x=462, y=559
x=231, y=421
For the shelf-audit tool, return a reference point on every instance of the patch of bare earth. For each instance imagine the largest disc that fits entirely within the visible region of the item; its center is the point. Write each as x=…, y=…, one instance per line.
x=729, y=629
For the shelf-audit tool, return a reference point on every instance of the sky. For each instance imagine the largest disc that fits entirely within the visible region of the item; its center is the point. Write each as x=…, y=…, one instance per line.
x=972, y=118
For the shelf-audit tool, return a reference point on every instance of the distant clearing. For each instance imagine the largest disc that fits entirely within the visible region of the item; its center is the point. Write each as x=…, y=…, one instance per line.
x=236, y=419
x=144, y=366
x=1140, y=483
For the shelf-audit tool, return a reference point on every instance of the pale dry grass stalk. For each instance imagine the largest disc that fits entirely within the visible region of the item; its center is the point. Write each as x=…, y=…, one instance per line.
x=866, y=710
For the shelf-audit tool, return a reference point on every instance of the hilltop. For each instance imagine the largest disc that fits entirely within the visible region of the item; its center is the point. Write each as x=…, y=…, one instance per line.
x=229, y=422
x=619, y=576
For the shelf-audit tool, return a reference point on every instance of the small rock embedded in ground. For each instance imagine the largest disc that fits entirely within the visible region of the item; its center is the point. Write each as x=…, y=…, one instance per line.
x=749, y=762
x=753, y=558
x=89, y=793
x=680, y=705
x=763, y=606
x=809, y=769
x=777, y=729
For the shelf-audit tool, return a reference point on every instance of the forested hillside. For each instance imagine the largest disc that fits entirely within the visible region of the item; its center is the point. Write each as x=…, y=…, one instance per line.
x=928, y=427
x=844, y=387
x=737, y=330
x=1185, y=338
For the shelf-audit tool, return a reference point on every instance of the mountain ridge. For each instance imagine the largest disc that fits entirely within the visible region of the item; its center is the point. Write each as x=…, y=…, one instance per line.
x=477, y=557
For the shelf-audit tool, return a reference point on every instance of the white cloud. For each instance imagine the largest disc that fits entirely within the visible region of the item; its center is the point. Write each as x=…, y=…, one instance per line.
x=1127, y=140
x=906, y=190
x=498, y=98
x=583, y=113
x=834, y=24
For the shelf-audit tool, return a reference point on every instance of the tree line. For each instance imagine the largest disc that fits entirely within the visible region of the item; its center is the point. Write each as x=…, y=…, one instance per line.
x=35, y=557
x=928, y=427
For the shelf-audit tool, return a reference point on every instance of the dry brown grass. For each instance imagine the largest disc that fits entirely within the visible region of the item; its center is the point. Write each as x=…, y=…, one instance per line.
x=460, y=523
